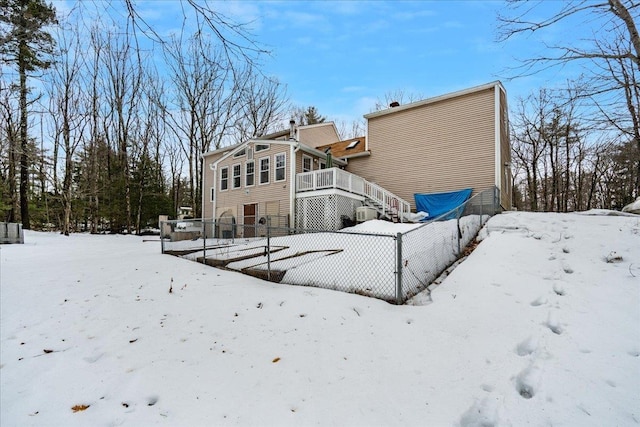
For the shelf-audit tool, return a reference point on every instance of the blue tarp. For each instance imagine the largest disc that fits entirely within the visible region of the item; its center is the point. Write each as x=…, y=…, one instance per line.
x=435, y=204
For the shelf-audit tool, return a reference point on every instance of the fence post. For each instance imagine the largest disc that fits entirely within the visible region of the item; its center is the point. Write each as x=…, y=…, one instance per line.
x=481, y=209
x=204, y=241
x=269, y=247
x=162, y=236
x=458, y=231
x=399, y=268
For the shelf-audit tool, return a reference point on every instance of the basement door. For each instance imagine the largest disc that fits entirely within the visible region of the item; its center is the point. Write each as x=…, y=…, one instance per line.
x=249, y=219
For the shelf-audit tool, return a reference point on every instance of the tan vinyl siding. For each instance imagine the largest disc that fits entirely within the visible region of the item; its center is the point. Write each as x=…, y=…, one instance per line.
x=315, y=161
x=235, y=199
x=441, y=146
x=208, y=182
x=315, y=136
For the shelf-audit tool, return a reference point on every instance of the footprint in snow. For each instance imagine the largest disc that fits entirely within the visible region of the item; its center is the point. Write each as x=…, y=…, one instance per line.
x=485, y=412
x=559, y=290
x=526, y=347
x=538, y=301
x=528, y=380
x=567, y=269
x=486, y=387
x=152, y=400
x=553, y=324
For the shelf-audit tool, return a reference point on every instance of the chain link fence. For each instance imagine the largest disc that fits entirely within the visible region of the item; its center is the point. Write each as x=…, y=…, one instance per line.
x=11, y=232
x=432, y=247
x=388, y=261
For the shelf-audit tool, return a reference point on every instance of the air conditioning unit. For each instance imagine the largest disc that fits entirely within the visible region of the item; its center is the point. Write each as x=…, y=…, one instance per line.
x=365, y=213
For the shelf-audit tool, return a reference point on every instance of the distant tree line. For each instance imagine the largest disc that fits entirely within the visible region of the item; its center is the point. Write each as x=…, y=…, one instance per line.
x=577, y=146
x=94, y=136
x=103, y=121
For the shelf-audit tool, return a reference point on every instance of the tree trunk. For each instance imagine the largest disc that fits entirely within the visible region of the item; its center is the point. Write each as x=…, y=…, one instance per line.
x=24, y=147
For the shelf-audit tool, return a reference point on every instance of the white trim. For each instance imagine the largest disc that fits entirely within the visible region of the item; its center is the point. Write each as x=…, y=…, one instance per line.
x=329, y=192
x=220, y=180
x=292, y=184
x=221, y=149
x=260, y=171
x=321, y=154
x=434, y=99
x=246, y=174
x=366, y=136
x=255, y=147
x=353, y=156
x=233, y=176
x=275, y=167
x=233, y=149
x=304, y=156
x=315, y=125
x=498, y=157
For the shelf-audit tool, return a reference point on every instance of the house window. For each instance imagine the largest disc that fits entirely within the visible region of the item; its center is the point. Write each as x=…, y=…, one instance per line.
x=249, y=173
x=236, y=176
x=240, y=153
x=281, y=163
x=262, y=147
x=264, y=170
x=224, y=178
x=213, y=193
x=323, y=164
x=307, y=164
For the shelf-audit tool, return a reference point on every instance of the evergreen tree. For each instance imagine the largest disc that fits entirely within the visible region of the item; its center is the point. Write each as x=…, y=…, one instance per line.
x=307, y=116
x=26, y=45
x=311, y=116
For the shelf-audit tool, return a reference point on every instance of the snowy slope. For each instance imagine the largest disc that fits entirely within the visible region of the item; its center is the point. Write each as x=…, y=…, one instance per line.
x=540, y=325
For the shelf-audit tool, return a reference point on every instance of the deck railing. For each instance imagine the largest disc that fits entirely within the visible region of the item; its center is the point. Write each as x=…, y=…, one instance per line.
x=334, y=178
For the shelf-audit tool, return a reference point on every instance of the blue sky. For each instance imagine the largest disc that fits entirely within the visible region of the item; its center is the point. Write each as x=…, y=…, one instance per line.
x=342, y=56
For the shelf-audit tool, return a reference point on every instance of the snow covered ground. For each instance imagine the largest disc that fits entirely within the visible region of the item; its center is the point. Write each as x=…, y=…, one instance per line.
x=359, y=259
x=539, y=326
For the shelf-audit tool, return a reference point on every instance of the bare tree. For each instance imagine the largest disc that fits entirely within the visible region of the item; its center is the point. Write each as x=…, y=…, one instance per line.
x=351, y=129
x=611, y=52
x=262, y=101
x=237, y=44
x=396, y=96
x=521, y=18
x=66, y=98
x=529, y=142
x=204, y=108
x=124, y=71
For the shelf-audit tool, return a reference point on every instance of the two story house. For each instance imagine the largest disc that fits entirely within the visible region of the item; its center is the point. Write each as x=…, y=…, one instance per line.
x=305, y=177
x=249, y=181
